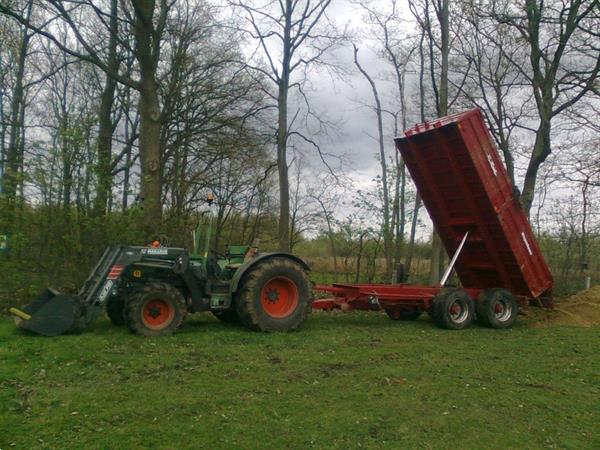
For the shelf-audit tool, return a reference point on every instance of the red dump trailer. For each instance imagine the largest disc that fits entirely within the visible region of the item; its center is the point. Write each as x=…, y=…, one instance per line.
x=466, y=190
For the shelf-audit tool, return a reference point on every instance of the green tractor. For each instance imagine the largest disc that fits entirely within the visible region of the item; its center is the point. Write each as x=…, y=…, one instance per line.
x=151, y=290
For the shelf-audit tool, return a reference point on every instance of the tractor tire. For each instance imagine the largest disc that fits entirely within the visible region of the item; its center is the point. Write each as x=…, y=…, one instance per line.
x=403, y=313
x=227, y=316
x=274, y=296
x=115, y=310
x=453, y=309
x=156, y=309
x=497, y=308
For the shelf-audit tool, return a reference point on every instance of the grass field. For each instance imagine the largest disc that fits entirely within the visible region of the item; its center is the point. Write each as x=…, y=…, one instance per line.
x=344, y=381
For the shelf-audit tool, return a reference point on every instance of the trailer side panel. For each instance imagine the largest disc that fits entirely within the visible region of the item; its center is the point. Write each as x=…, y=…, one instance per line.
x=465, y=187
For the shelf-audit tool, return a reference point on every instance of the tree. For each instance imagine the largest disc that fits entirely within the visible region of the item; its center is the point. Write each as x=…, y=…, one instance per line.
x=563, y=66
x=492, y=82
x=105, y=122
x=325, y=196
x=14, y=150
x=398, y=48
x=146, y=21
x=211, y=132
x=386, y=230
x=304, y=211
x=439, y=45
x=292, y=36
x=582, y=169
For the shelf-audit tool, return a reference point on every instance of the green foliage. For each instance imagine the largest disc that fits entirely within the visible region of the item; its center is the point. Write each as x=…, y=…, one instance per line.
x=54, y=246
x=57, y=247
x=344, y=381
x=563, y=253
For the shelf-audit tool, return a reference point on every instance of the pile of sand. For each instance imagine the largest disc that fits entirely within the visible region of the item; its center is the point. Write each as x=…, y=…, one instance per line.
x=579, y=310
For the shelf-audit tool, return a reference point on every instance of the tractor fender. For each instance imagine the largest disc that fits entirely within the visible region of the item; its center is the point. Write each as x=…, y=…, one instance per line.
x=237, y=277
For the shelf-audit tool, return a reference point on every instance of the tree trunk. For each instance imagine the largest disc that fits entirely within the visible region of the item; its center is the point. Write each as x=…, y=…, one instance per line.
x=437, y=250
x=66, y=153
x=400, y=191
x=402, y=227
x=282, y=135
x=583, y=254
x=359, y=257
x=444, y=19
x=149, y=109
x=330, y=236
x=541, y=150
x=387, y=238
x=105, y=125
x=150, y=154
x=436, y=259
x=413, y=232
x=11, y=169
x=3, y=127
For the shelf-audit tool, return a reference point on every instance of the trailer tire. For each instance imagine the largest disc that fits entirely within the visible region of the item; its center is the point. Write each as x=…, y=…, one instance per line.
x=227, y=316
x=156, y=309
x=274, y=296
x=115, y=310
x=403, y=313
x=453, y=309
x=497, y=308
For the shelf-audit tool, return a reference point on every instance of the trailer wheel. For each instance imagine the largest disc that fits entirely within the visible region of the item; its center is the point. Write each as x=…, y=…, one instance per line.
x=403, y=313
x=227, y=316
x=453, y=309
x=115, y=310
x=497, y=308
x=157, y=309
x=274, y=296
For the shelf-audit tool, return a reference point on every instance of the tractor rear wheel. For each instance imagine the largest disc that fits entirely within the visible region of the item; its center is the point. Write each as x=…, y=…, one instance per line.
x=157, y=309
x=115, y=310
x=453, y=309
x=227, y=316
x=274, y=296
x=497, y=308
x=403, y=313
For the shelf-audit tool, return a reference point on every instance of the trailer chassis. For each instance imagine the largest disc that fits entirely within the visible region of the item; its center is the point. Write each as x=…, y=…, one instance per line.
x=450, y=307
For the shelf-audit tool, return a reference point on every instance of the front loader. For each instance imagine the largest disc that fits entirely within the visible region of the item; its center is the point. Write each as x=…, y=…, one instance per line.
x=151, y=290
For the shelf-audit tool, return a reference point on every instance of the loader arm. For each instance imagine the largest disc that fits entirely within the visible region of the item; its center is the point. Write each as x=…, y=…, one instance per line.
x=53, y=313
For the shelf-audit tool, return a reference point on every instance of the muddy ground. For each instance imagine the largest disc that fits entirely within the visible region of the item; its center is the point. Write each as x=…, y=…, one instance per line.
x=581, y=309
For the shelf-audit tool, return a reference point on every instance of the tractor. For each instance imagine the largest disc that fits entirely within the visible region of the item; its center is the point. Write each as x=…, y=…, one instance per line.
x=152, y=288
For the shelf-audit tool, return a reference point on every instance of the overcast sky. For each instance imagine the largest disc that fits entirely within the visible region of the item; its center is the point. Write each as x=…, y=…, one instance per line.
x=347, y=102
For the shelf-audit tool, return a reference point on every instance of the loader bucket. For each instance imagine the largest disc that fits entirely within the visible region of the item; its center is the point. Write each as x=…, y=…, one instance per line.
x=51, y=314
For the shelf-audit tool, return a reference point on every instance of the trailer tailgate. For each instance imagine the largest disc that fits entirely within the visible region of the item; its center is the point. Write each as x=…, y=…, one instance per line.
x=465, y=187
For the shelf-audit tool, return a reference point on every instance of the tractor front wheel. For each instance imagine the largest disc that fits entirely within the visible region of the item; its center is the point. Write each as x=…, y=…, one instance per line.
x=274, y=296
x=157, y=309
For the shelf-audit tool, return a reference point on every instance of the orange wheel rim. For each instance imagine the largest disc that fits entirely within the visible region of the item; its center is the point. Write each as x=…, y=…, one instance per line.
x=157, y=314
x=279, y=297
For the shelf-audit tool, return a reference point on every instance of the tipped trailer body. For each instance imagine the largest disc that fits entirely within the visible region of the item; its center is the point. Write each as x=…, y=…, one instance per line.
x=472, y=204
